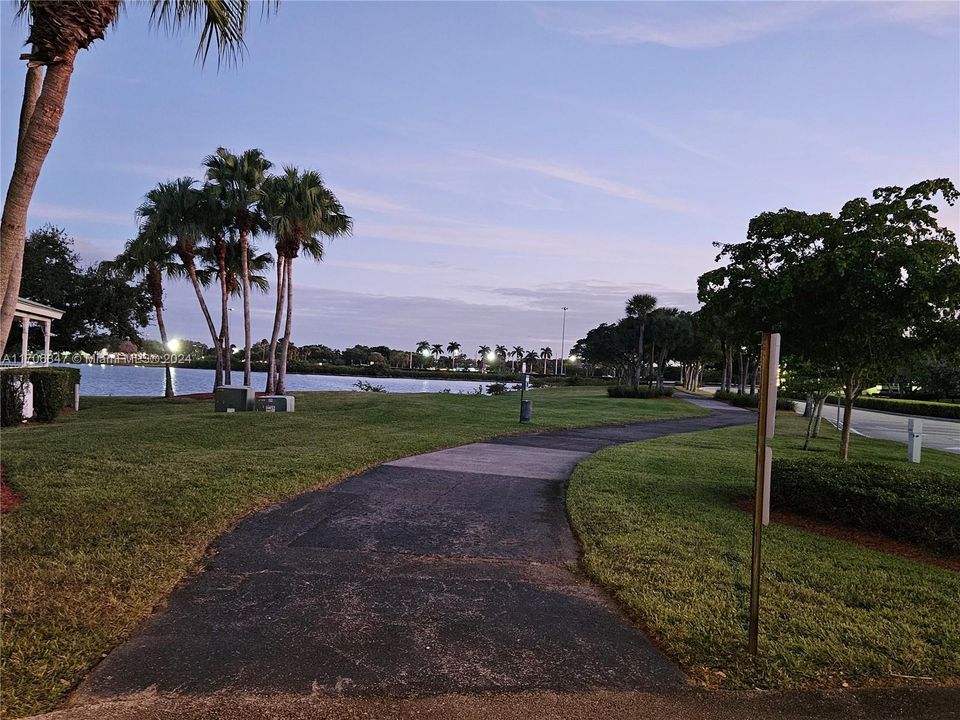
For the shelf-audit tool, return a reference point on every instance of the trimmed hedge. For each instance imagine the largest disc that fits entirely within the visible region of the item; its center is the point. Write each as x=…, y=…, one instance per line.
x=906, y=407
x=12, y=395
x=747, y=400
x=52, y=391
x=623, y=391
x=899, y=501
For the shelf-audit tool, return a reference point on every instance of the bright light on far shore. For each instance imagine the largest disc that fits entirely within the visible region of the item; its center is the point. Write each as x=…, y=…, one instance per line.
x=425, y=353
x=573, y=358
x=491, y=356
x=174, y=345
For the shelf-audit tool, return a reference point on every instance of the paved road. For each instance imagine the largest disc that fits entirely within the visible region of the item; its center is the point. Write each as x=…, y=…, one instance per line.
x=937, y=434
x=443, y=585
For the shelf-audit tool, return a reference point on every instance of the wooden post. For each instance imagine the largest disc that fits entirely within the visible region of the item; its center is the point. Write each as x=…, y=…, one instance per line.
x=766, y=418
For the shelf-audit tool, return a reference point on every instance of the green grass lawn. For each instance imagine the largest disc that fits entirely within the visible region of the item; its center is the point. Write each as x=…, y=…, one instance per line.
x=661, y=531
x=121, y=499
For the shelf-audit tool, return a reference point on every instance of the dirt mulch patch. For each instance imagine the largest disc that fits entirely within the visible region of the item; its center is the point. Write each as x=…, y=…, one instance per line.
x=872, y=540
x=9, y=498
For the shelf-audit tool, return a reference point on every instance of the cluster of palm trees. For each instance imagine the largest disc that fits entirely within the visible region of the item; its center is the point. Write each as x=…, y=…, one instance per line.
x=205, y=232
x=486, y=355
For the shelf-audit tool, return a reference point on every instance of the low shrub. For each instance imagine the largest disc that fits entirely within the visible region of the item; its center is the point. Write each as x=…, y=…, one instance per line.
x=52, y=391
x=624, y=391
x=496, y=389
x=906, y=407
x=747, y=400
x=899, y=501
x=12, y=395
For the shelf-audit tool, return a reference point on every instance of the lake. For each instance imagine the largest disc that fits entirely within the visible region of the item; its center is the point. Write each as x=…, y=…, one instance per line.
x=148, y=381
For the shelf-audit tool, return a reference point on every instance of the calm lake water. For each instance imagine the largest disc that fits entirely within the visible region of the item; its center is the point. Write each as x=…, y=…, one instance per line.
x=148, y=381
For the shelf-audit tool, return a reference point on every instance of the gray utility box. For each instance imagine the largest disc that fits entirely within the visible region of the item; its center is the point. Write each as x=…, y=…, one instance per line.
x=275, y=403
x=234, y=398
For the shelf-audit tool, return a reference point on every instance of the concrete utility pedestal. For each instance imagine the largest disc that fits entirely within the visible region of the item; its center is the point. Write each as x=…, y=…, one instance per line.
x=914, y=439
x=275, y=403
x=234, y=398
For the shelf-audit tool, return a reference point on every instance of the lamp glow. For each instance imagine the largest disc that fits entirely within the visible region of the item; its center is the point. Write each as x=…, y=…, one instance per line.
x=174, y=345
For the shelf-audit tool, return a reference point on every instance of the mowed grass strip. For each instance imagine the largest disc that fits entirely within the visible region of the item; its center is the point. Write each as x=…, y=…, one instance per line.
x=660, y=529
x=121, y=499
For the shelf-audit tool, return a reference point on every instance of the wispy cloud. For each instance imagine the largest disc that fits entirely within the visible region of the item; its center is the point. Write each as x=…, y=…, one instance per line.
x=701, y=25
x=585, y=178
x=43, y=212
x=364, y=200
x=678, y=25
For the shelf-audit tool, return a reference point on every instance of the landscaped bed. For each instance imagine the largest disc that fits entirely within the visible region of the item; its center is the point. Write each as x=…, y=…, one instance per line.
x=661, y=529
x=121, y=499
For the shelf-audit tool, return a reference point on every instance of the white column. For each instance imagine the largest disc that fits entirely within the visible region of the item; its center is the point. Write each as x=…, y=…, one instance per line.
x=25, y=339
x=46, y=343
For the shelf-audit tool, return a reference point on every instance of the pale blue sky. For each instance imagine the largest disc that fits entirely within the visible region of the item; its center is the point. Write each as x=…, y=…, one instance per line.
x=502, y=160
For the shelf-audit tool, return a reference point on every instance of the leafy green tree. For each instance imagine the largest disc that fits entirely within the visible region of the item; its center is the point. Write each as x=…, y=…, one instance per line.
x=861, y=292
x=57, y=33
x=97, y=301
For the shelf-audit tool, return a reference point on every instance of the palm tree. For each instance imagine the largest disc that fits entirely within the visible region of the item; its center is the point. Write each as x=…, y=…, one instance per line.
x=172, y=211
x=483, y=351
x=237, y=181
x=423, y=349
x=501, y=352
x=58, y=31
x=215, y=221
x=153, y=257
x=545, y=354
x=453, y=348
x=640, y=306
x=437, y=351
x=301, y=211
x=531, y=359
x=517, y=353
x=223, y=262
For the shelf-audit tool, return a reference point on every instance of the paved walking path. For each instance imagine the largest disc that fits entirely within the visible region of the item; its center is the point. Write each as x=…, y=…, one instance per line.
x=433, y=580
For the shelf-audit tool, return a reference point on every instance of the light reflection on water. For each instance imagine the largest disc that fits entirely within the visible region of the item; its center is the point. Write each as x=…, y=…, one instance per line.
x=148, y=381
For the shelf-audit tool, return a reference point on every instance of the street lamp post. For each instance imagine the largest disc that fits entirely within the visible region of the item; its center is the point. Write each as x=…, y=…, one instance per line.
x=563, y=337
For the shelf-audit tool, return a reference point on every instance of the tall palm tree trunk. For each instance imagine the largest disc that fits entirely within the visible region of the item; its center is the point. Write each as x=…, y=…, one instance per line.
x=245, y=271
x=156, y=292
x=275, y=335
x=640, y=355
x=32, y=150
x=224, y=309
x=214, y=335
x=288, y=328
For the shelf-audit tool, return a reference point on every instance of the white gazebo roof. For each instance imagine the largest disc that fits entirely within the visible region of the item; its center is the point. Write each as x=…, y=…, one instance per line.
x=32, y=310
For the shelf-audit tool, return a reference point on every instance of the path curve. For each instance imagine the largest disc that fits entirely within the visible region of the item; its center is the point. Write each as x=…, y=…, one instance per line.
x=448, y=572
